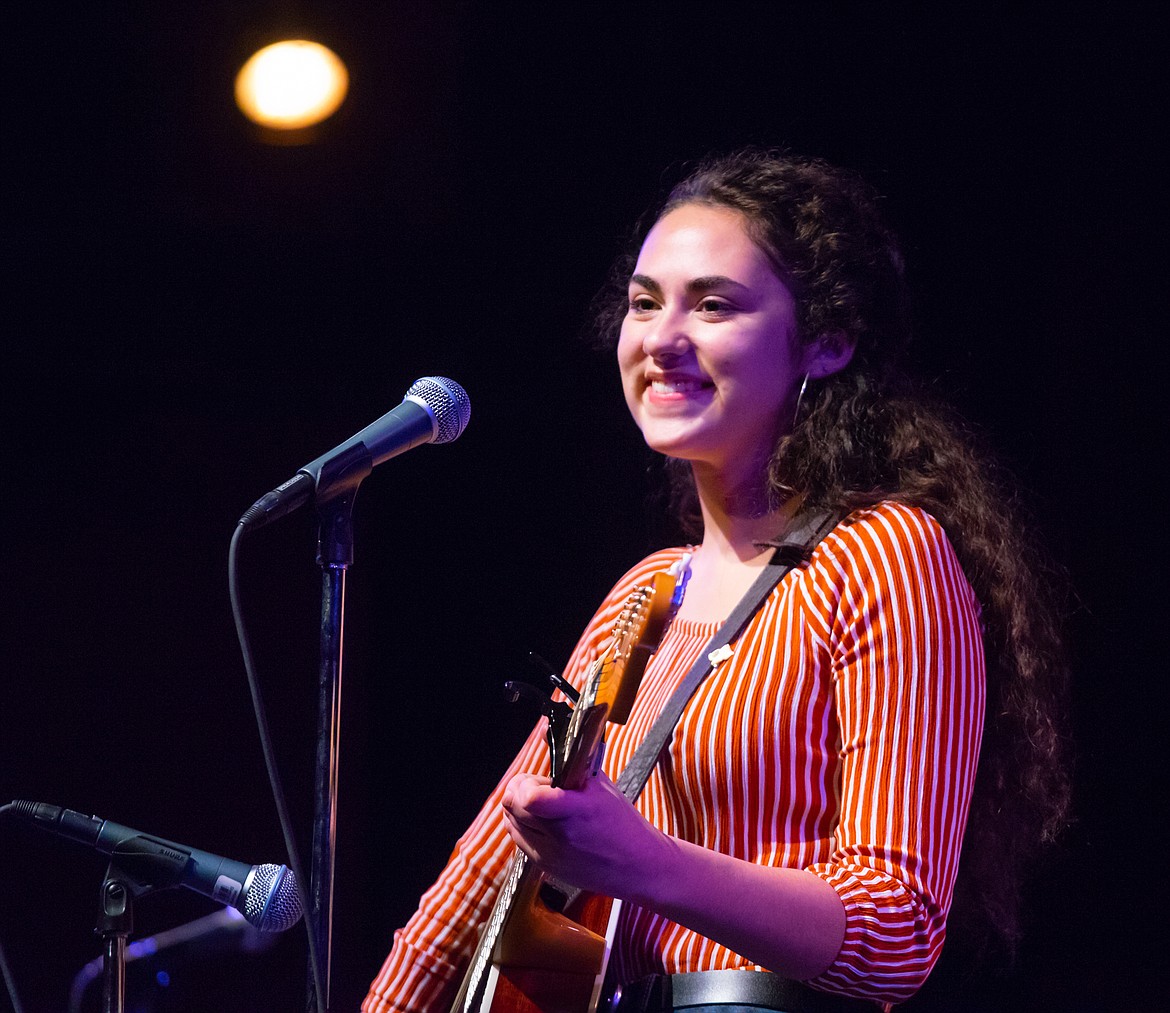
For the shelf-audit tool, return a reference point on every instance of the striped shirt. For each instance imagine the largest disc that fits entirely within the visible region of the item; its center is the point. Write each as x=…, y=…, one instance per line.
x=841, y=737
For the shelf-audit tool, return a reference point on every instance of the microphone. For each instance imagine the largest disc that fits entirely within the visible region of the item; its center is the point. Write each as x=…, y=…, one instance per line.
x=434, y=410
x=266, y=895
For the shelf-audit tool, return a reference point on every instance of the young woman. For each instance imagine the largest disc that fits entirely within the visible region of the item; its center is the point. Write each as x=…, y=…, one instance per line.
x=808, y=813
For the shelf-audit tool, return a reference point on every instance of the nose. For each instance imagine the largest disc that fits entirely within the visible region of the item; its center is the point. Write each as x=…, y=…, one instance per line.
x=667, y=336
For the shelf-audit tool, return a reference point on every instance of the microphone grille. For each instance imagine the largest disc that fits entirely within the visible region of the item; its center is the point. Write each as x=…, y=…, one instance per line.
x=272, y=902
x=447, y=401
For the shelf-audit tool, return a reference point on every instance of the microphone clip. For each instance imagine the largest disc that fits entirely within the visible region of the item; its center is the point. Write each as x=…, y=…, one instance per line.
x=337, y=484
x=138, y=866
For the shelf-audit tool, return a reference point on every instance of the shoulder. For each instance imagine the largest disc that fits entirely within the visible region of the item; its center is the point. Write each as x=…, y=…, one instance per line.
x=600, y=627
x=642, y=572
x=888, y=545
x=888, y=526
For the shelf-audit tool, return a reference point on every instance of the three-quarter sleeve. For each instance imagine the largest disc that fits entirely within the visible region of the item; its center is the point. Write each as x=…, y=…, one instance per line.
x=901, y=626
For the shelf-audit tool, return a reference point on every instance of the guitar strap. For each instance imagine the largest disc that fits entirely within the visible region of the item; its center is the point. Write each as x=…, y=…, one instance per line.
x=803, y=535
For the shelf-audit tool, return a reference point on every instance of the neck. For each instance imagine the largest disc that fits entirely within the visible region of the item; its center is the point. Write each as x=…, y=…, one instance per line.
x=738, y=516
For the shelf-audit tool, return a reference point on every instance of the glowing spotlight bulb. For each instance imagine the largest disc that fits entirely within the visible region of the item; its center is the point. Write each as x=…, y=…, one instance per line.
x=291, y=85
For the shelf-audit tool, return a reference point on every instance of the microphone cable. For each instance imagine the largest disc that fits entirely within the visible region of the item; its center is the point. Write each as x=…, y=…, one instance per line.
x=278, y=796
x=9, y=982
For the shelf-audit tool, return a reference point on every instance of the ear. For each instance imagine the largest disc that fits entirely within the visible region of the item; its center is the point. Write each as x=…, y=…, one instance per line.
x=829, y=354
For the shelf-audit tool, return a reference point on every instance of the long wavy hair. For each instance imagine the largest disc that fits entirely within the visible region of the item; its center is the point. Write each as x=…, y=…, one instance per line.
x=868, y=433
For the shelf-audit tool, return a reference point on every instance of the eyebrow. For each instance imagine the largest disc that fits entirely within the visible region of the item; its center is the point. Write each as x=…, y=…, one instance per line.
x=704, y=284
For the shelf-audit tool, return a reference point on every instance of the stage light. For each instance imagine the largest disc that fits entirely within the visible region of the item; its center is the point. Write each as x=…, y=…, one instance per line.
x=291, y=85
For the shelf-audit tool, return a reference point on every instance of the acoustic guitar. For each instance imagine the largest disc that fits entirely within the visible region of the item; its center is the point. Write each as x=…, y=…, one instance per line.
x=540, y=952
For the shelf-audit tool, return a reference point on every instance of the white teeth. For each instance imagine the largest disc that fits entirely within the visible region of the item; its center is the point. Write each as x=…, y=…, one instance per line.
x=675, y=386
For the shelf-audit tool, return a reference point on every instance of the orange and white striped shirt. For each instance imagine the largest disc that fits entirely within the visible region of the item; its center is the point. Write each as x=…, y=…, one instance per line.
x=841, y=736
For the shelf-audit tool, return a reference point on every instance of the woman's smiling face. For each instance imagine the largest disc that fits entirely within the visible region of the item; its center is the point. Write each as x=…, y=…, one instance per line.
x=710, y=358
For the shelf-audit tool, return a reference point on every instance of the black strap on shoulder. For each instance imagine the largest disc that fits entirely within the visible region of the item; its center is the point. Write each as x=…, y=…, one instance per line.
x=803, y=535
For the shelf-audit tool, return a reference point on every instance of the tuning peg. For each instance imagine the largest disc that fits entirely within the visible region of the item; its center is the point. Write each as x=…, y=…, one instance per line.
x=517, y=691
x=555, y=677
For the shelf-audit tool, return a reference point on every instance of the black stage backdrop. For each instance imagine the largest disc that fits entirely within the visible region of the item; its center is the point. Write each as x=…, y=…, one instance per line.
x=192, y=314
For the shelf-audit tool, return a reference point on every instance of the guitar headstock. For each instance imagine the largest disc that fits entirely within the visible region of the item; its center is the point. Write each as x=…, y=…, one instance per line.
x=613, y=681
x=637, y=632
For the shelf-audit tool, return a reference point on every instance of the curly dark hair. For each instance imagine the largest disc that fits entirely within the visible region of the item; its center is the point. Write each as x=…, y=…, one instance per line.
x=868, y=433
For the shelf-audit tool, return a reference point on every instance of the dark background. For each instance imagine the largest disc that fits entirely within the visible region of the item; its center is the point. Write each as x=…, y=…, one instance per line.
x=192, y=314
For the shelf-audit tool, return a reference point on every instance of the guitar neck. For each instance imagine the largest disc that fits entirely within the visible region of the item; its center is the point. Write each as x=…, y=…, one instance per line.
x=533, y=958
x=580, y=752
x=471, y=993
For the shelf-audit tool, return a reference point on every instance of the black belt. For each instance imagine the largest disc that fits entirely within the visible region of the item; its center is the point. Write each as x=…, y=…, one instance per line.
x=659, y=993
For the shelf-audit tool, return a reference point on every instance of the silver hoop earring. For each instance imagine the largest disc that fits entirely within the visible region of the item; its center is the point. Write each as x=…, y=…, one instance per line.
x=799, y=398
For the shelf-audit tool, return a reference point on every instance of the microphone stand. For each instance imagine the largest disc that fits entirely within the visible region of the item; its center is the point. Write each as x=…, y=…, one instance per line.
x=337, y=488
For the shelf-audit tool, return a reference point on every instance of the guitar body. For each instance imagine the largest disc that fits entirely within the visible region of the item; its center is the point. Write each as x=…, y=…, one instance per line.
x=537, y=955
x=550, y=962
